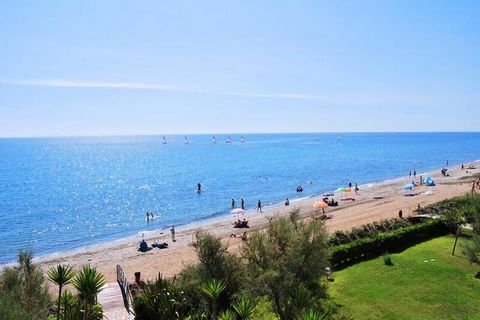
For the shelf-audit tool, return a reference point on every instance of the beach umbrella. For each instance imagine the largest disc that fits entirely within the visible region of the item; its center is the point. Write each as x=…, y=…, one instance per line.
x=408, y=186
x=320, y=204
x=237, y=211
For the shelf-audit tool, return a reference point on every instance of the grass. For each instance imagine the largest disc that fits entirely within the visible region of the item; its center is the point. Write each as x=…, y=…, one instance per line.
x=426, y=282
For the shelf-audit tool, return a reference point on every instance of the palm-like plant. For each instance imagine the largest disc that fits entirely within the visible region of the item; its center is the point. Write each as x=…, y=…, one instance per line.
x=61, y=275
x=68, y=301
x=244, y=308
x=212, y=291
x=89, y=283
x=227, y=315
x=311, y=315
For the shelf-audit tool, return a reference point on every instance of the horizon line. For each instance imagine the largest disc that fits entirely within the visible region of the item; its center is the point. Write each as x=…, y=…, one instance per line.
x=221, y=134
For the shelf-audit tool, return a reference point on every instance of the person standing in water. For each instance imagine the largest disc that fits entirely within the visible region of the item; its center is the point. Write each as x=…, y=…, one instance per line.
x=242, y=203
x=259, y=206
x=233, y=203
x=414, y=173
x=199, y=187
x=172, y=232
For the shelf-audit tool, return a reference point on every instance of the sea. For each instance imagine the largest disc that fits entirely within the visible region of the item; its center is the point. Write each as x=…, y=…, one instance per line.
x=58, y=194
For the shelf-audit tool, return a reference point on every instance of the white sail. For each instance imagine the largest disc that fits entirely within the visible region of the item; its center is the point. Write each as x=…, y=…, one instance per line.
x=242, y=140
x=228, y=140
x=214, y=140
x=186, y=141
x=164, y=141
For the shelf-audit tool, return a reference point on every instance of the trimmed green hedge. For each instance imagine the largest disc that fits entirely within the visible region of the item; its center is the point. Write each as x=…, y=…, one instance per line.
x=392, y=241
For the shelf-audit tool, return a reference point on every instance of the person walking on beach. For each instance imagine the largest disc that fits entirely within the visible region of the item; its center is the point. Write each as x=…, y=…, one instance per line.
x=259, y=206
x=400, y=214
x=414, y=173
x=350, y=185
x=410, y=174
x=172, y=232
x=233, y=203
x=242, y=203
x=462, y=166
x=356, y=188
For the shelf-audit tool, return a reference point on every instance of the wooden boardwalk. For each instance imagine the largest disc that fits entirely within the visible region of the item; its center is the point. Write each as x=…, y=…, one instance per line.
x=111, y=299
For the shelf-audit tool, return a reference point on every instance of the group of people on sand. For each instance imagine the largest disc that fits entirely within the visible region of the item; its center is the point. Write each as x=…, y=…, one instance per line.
x=161, y=245
x=241, y=223
x=237, y=235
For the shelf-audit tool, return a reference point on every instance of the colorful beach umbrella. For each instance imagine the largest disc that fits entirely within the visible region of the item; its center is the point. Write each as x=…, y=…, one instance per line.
x=320, y=204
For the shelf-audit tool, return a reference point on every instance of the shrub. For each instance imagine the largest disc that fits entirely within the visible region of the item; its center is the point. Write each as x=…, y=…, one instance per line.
x=395, y=240
x=285, y=263
x=23, y=294
x=367, y=230
x=387, y=259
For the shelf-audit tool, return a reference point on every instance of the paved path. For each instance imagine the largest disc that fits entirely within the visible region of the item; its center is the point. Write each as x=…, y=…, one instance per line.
x=111, y=300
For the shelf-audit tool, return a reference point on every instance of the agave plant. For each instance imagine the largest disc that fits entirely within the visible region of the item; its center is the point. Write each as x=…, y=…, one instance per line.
x=89, y=283
x=301, y=299
x=61, y=275
x=244, y=308
x=311, y=315
x=227, y=315
x=212, y=291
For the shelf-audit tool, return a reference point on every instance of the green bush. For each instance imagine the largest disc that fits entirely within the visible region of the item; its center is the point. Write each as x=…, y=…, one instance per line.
x=23, y=293
x=367, y=230
x=395, y=240
x=387, y=259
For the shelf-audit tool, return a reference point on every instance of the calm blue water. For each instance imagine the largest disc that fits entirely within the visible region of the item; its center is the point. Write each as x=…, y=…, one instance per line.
x=64, y=193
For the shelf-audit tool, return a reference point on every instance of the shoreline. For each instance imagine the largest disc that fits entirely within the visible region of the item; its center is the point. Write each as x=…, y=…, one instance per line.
x=390, y=198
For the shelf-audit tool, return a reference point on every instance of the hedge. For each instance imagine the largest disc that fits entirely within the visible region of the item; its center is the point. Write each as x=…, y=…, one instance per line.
x=392, y=241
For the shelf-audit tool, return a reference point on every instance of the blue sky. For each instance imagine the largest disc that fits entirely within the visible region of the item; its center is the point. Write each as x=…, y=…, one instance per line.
x=162, y=67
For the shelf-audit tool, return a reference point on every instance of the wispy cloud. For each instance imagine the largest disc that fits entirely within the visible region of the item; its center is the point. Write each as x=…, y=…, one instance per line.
x=343, y=99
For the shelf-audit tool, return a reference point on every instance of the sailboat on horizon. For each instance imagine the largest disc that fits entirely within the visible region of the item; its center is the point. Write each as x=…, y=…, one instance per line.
x=228, y=140
x=242, y=140
x=186, y=140
x=214, y=140
x=164, y=141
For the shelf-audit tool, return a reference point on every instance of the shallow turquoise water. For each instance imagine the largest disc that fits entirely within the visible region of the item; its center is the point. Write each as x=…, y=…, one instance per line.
x=63, y=193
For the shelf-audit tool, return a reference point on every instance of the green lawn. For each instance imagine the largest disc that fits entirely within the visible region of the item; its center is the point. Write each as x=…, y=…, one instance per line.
x=426, y=282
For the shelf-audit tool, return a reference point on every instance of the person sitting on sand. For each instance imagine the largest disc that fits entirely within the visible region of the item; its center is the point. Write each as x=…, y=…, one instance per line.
x=143, y=246
x=287, y=203
x=244, y=236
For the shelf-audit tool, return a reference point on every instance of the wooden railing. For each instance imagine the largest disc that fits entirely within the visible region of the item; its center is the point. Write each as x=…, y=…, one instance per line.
x=123, y=283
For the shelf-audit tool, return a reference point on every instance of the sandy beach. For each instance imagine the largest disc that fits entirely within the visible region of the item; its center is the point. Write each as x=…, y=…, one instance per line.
x=374, y=201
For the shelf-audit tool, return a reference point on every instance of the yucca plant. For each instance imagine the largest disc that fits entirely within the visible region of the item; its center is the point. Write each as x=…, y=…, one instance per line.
x=227, y=315
x=68, y=301
x=244, y=308
x=212, y=291
x=89, y=283
x=61, y=275
x=311, y=315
